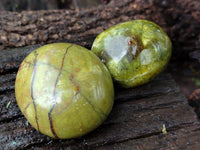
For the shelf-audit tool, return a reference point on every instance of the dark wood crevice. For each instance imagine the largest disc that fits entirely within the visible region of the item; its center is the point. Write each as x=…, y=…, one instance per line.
x=11, y=119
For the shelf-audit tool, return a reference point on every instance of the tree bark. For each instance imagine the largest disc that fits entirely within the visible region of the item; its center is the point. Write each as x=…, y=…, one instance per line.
x=180, y=19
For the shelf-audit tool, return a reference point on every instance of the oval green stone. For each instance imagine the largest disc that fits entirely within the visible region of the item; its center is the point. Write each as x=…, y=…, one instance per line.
x=134, y=52
x=64, y=90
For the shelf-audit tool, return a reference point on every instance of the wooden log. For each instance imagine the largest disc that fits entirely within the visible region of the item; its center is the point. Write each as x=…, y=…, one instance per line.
x=180, y=19
x=136, y=120
x=138, y=115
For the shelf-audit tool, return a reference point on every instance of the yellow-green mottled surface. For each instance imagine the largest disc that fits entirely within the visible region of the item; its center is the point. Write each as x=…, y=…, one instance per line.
x=64, y=90
x=134, y=52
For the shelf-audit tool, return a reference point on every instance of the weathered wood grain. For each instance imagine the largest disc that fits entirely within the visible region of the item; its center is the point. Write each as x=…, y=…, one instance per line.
x=183, y=138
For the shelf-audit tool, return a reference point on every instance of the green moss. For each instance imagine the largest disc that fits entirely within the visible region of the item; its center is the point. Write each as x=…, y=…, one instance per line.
x=8, y=104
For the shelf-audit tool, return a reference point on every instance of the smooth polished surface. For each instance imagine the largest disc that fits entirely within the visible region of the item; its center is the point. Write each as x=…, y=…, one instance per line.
x=134, y=52
x=64, y=90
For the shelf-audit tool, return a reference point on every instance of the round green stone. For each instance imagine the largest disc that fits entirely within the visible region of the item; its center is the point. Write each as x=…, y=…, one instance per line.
x=64, y=90
x=134, y=52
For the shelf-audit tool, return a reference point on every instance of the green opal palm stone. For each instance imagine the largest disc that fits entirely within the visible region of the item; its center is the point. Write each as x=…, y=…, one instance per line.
x=134, y=52
x=64, y=90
